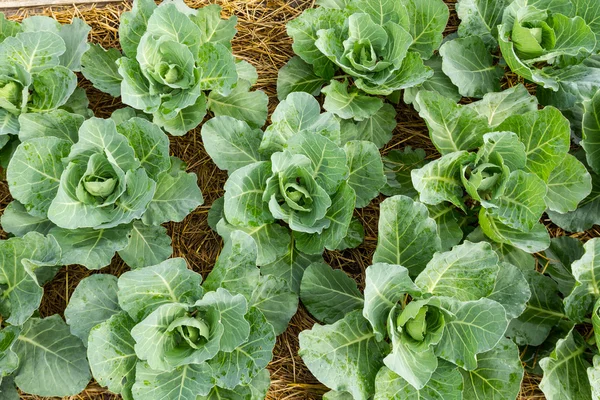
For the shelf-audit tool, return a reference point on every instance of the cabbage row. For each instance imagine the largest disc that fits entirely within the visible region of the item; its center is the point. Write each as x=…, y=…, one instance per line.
x=467, y=290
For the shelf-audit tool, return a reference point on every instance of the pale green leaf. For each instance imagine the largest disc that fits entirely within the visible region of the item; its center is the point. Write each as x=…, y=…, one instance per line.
x=298, y=76
x=52, y=88
x=591, y=132
x=99, y=66
x=568, y=184
x=148, y=245
x=276, y=301
x=213, y=29
x=349, y=103
x=533, y=241
x=57, y=123
x=499, y=106
x=425, y=21
x=184, y=383
x=481, y=18
x=445, y=384
x=35, y=51
x=366, y=171
x=16, y=220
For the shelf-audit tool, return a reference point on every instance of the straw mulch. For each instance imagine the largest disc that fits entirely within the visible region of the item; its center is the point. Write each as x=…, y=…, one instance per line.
x=262, y=41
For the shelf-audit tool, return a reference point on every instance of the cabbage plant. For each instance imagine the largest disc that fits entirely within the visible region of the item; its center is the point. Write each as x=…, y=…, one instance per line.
x=503, y=164
x=176, y=64
x=297, y=183
x=430, y=324
x=356, y=50
x=98, y=186
x=38, y=58
x=160, y=330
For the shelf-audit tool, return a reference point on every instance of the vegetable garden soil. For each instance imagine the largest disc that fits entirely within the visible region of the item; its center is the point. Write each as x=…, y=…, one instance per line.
x=262, y=41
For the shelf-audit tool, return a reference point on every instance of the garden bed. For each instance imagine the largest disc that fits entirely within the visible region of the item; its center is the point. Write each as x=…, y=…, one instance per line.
x=262, y=41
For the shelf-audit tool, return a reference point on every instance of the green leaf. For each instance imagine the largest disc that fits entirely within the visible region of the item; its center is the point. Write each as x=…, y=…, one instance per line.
x=184, y=383
x=75, y=36
x=439, y=82
x=497, y=107
x=111, y=354
x=92, y=248
x=133, y=25
x=135, y=89
x=291, y=266
x=481, y=18
x=448, y=220
x=498, y=375
x=184, y=120
x=511, y=290
x=93, y=301
x=240, y=104
x=47, y=342
x=445, y=383
x=385, y=286
x=35, y=51
x=476, y=327
x=148, y=245
x=57, y=123
x=378, y=128
x=243, y=363
x=407, y=236
x=470, y=66
x=99, y=66
x=171, y=21
x=298, y=76
x=329, y=294
x=19, y=260
x=232, y=144
x=34, y=172
x=533, y=241
x=425, y=21
x=507, y=145
x=344, y=356
x=591, y=132
x=563, y=251
x=217, y=68
x=569, y=184
x=257, y=389
x=397, y=166
x=586, y=271
x=349, y=104
x=52, y=88
x=452, y=127
x=366, y=171
x=214, y=29
x=16, y=220
x=565, y=370
x=144, y=290
x=276, y=301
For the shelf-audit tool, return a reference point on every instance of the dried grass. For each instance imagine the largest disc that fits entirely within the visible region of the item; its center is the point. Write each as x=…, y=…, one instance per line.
x=262, y=41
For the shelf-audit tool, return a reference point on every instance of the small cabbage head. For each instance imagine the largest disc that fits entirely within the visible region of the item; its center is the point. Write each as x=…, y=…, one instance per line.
x=421, y=323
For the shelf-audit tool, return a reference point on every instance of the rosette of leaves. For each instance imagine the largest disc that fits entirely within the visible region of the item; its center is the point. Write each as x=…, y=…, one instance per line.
x=437, y=336
x=38, y=58
x=177, y=64
x=503, y=164
x=98, y=186
x=362, y=49
x=29, y=345
x=296, y=184
x=159, y=330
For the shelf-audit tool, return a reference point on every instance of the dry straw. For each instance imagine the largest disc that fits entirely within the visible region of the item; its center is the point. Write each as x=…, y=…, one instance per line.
x=262, y=41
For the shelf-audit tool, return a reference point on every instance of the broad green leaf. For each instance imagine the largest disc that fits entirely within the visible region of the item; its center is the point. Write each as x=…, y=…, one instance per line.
x=291, y=266
x=476, y=327
x=497, y=107
x=522, y=203
x=329, y=294
x=148, y=245
x=565, y=370
x=177, y=195
x=467, y=272
x=184, y=383
x=19, y=260
x=57, y=123
x=377, y=128
x=498, y=374
x=243, y=363
x=16, y=220
x=272, y=239
x=425, y=21
x=217, y=68
x=542, y=312
x=48, y=342
x=75, y=36
x=586, y=271
x=445, y=383
x=333, y=395
x=511, y=290
x=298, y=76
x=133, y=25
x=235, y=269
x=93, y=301
x=385, y=286
x=591, y=132
x=533, y=241
x=349, y=104
x=184, y=120
x=470, y=66
x=276, y=301
x=448, y=220
x=8, y=28
x=344, y=356
x=439, y=82
x=169, y=21
x=144, y=290
x=241, y=104
x=34, y=172
x=407, y=236
x=244, y=192
x=557, y=260
x=35, y=51
x=397, y=165
x=354, y=237
x=366, y=170
x=52, y=88
x=99, y=66
x=589, y=11
x=9, y=123
x=213, y=29
x=594, y=377
x=507, y=145
x=568, y=184
x=232, y=144
x=452, y=127
x=92, y=248
x=440, y=180
x=257, y=389
x=135, y=89
x=481, y=18
x=111, y=354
